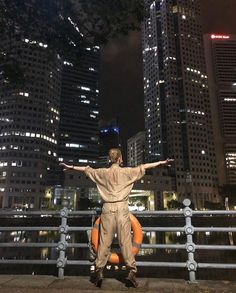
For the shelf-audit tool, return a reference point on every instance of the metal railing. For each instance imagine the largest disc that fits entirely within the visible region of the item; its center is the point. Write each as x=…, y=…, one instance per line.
x=190, y=264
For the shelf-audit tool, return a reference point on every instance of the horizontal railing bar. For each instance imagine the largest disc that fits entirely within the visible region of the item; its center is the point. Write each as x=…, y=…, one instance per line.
x=78, y=245
x=10, y=213
x=160, y=246
x=138, y=263
x=169, y=229
x=160, y=229
x=28, y=261
x=183, y=246
x=169, y=246
x=146, y=229
x=216, y=247
x=164, y=246
x=164, y=229
x=214, y=212
x=153, y=213
x=48, y=213
x=142, y=213
x=77, y=228
x=146, y=246
x=216, y=266
x=214, y=229
x=28, y=244
x=29, y=228
x=161, y=264
x=89, y=213
x=79, y=262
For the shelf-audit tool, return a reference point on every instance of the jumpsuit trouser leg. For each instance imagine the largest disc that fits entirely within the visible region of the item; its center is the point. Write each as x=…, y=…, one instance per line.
x=107, y=232
x=115, y=217
x=125, y=239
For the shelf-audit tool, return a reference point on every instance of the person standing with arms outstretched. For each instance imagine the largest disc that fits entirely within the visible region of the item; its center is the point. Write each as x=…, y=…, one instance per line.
x=114, y=185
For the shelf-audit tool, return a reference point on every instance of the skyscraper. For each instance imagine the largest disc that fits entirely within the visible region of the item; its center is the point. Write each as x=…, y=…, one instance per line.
x=31, y=136
x=136, y=149
x=220, y=51
x=29, y=116
x=79, y=109
x=177, y=108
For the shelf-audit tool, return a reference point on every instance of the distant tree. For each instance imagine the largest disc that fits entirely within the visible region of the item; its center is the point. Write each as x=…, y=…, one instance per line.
x=66, y=26
x=174, y=204
x=213, y=205
x=84, y=203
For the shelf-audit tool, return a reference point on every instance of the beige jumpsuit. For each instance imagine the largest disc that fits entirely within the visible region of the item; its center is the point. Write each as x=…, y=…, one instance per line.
x=114, y=185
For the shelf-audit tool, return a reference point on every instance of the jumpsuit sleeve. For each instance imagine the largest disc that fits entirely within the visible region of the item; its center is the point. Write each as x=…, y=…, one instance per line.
x=137, y=173
x=91, y=173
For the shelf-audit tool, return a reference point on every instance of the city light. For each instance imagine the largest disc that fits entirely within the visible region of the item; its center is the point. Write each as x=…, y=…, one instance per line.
x=222, y=37
x=110, y=130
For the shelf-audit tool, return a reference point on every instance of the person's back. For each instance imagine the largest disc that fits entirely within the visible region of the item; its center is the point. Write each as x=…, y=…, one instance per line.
x=115, y=183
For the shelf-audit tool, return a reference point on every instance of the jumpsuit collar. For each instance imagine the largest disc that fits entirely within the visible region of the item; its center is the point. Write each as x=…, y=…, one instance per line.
x=115, y=165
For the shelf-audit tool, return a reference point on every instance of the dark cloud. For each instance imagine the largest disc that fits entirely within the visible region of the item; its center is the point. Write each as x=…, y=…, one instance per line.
x=218, y=16
x=122, y=83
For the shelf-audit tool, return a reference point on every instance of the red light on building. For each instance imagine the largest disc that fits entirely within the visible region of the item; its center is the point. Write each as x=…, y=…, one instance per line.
x=222, y=37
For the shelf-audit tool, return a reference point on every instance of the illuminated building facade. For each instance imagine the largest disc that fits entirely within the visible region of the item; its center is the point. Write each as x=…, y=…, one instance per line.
x=220, y=52
x=177, y=107
x=29, y=116
x=136, y=149
x=79, y=110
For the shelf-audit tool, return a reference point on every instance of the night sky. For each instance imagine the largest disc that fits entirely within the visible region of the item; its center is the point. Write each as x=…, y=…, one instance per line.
x=121, y=81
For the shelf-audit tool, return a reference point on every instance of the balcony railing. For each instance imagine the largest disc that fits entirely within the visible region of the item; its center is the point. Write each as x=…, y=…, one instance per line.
x=64, y=229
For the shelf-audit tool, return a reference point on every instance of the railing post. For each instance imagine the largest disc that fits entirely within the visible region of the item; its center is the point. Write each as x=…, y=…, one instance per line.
x=62, y=244
x=190, y=246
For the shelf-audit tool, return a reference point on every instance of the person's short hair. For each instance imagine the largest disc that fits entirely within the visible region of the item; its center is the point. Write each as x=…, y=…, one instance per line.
x=114, y=155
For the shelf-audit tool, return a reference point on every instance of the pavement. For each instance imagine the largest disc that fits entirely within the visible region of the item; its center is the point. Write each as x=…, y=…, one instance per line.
x=51, y=284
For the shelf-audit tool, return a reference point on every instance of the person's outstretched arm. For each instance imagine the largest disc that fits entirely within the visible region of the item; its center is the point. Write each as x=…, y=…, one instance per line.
x=167, y=162
x=72, y=167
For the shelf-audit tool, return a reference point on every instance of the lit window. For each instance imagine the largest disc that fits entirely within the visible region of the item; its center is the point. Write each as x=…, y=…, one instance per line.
x=83, y=161
x=85, y=88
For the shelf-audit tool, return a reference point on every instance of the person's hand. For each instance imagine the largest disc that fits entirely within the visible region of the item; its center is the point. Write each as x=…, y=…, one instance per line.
x=168, y=162
x=65, y=167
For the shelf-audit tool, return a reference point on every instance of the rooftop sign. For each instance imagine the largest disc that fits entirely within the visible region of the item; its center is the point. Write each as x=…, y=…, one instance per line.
x=222, y=37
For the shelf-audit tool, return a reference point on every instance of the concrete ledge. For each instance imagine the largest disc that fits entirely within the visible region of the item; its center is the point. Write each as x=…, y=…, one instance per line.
x=24, y=281
x=51, y=284
x=6, y=278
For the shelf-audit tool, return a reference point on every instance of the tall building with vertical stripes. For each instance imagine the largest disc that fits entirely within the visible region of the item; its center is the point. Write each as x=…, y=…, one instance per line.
x=29, y=119
x=79, y=110
x=176, y=99
x=51, y=116
x=220, y=52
